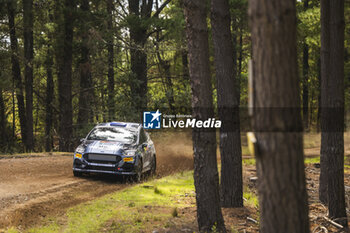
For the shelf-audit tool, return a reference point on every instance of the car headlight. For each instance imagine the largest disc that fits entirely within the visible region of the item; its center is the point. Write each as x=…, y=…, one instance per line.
x=130, y=153
x=80, y=149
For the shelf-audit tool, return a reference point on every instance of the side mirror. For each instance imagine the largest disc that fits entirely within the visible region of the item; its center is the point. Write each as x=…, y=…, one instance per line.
x=82, y=140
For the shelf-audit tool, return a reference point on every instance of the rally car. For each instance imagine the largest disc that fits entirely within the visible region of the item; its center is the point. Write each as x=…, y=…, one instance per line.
x=118, y=148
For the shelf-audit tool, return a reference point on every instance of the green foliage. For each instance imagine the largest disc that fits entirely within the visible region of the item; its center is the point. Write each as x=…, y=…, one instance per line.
x=309, y=26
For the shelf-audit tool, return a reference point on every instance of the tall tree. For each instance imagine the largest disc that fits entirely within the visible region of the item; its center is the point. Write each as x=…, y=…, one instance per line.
x=84, y=65
x=332, y=114
x=140, y=15
x=277, y=117
x=204, y=141
x=110, y=49
x=49, y=101
x=28, y=71
x=306, y=78
x=325, y=56
x=16, y=69
x=140, y=11
x=65, y=76
x=231, y=185
x=4, y=139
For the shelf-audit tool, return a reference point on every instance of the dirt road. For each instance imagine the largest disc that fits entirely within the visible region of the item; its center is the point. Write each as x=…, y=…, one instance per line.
x=37, y=187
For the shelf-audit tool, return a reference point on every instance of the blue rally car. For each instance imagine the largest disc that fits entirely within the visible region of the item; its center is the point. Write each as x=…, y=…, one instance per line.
x=116, y=148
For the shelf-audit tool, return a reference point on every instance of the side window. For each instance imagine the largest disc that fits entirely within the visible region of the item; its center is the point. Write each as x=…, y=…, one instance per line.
x=143, y=137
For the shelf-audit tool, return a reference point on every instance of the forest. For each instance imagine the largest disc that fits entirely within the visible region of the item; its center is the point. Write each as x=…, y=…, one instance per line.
x=280, y=69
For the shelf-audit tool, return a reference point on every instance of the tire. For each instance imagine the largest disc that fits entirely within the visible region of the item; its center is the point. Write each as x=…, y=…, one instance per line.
x=154, y=166
x=77, y=174
x=138, y=176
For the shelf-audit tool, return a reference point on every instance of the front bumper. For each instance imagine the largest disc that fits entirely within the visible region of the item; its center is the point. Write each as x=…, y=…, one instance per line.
x=119, y=168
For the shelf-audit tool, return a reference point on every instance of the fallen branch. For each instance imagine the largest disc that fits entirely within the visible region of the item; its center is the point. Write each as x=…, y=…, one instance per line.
x=322, y=229
x=332, y=222
x=252, y=220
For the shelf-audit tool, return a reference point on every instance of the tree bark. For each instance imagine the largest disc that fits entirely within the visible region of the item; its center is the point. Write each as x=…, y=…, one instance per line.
x=185, y=71
x=231, y=185
x=277, y=118
x=49, y=100
x=84, y=67
x=240, y=56
x=164, y=69
x=65, y=78
x=16, y=70
x=110, y=49
x=325, y=52
x=50, y=94
x=138, y=56
x=332, y=114
x=204, y=142
x=4, y=139
x=28, y=71
x=318, y=124
x=306, y=78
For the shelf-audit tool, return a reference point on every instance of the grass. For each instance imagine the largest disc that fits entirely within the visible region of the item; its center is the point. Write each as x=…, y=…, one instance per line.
x=251, y=199
x=248, y=162
x=128, y=210
x=312, y=160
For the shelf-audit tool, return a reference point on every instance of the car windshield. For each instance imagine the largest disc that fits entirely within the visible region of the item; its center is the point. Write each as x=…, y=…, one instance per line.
x=113, y=134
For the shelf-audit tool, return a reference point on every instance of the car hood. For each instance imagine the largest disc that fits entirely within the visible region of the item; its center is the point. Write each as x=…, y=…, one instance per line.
x=106, y=147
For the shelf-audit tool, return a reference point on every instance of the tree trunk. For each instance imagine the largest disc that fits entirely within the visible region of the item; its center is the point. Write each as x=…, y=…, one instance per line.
x=231, y=184
x=318, y=124
x=4, y=139
x=277, y=118
x=332, y=114
x=185, y=71
x=84, y=67
x=13, y=112
x=138, y=56
x=204, y=143
x=325, y=52
x=28, y=71
x=65, y=79
x=306, y=78
x=240, y=56
x=169, y=86
x=16, y=70
x=110, y=49
x=49, y=100
x=164, y=69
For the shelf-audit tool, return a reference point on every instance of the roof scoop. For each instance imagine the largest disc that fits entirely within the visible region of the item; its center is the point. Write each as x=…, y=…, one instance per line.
x=117, y=124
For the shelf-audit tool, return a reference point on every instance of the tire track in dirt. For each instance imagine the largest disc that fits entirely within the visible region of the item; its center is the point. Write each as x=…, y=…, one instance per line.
x=32, y=189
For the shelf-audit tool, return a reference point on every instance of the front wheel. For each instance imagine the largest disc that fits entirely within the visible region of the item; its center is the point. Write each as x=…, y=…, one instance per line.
x=77, y=174
x=138, y=176
x=154, y=165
